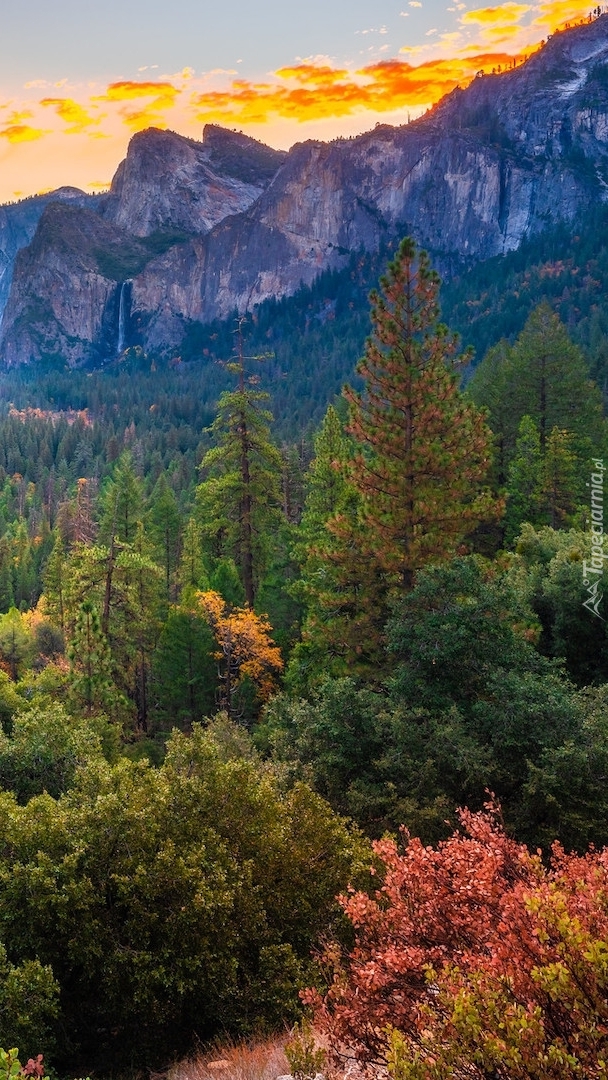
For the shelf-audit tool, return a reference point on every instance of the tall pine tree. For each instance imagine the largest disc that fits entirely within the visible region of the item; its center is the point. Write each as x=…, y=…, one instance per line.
x=424, y=451
x=240, y=498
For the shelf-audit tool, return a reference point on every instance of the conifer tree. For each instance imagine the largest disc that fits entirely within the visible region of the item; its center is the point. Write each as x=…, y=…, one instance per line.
x=15, y=641
x=55, y=574
x=424, y=451
x=341, y=583
x=523, y=481
x=544, y=376
x=190, y=570
x=240, y=498
x=164, y=527
x=91, y=684
x=122, y=503
x=543, y=488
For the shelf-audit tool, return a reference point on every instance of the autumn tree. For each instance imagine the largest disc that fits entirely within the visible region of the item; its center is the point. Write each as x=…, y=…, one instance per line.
x=481, y=960
x=240, y=497
x=245, y=650
x=423, y=450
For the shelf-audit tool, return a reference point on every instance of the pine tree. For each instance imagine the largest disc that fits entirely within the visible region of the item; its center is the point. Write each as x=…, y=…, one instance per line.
x=560, y=487
x=55, y=584
x=544, y=376
x=523, y=481
x=15, y=641
x=424, y=451
x=543, y=488
x=91, y=684
x=341, y=583
x=190, y=570
x=240, y=498
x=122, y=503
x=164, y=523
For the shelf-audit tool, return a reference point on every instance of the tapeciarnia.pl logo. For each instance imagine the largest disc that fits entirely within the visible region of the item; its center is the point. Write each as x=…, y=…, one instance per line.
x=594, y=569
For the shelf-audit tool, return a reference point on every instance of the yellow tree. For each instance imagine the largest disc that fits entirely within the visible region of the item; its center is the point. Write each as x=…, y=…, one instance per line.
x=245, y=650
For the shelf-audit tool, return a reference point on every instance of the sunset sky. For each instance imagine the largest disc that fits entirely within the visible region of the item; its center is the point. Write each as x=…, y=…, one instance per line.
x=77, y=79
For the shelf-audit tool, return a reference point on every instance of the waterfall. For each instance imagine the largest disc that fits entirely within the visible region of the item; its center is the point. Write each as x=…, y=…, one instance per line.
x=123, y=315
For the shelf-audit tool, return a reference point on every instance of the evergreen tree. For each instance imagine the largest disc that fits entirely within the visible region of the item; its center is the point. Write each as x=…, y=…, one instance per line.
x=122, y=503
x=523, y=481
x=185, y=667
x=164, y=523
x=190, y=570
x=55, y=584
x=341, y=584
x=91, y=682
x=560, y=480
x=15, y=641
x=543, y=488
x=544, y=376
x=240, y=498
x=424, y=451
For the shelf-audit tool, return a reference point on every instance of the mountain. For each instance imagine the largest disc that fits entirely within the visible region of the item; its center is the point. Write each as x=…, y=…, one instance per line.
x=169, y=182
x=18, y=223
x=222, y=225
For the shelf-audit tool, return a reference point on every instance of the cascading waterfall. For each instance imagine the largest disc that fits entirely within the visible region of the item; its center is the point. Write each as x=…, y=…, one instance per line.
x=123, y=314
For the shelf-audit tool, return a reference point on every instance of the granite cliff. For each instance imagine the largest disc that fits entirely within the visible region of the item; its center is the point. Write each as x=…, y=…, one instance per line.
x=207, y=228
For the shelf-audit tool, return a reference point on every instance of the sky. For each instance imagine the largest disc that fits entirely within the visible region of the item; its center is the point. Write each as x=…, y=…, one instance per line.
x=78, y=79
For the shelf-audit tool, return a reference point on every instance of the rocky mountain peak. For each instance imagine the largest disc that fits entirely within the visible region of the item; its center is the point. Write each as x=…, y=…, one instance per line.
x=170, y=182
x=196, y=230
x=233, y=154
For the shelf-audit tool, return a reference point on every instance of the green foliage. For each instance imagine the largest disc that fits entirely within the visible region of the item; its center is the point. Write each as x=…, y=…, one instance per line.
x=44, y=750
x=184, y=668
x=15, y=642
x=542, y=376
x=91, y=685
x=305, y=1058
x=548, y=569
x=239, y=498
x=29, y=1007
x=164, y=900
x=422, y=451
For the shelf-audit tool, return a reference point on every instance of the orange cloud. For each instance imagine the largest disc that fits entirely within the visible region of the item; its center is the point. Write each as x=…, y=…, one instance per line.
x=313, y=73
x=76, y=117
x=558, y=13
x=506, y=13
x=163, y=94
x=20, y=133
x=322, y=92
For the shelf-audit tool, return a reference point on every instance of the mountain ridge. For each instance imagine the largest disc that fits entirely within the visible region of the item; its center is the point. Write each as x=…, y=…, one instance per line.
x=486, y=167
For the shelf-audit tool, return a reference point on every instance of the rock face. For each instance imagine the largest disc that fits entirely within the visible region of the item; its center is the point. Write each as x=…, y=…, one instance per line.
x=18, y=223
x=75, y=266
x=169, y=182
x=224, y=224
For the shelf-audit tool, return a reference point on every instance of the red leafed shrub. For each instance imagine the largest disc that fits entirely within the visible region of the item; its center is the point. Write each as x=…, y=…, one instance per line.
x=474, y=960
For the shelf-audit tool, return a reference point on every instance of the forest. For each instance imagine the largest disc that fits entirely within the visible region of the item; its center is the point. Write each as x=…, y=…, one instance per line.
x=314, y=714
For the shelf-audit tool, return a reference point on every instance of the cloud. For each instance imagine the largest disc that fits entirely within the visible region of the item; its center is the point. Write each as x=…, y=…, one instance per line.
x=313, y=74
x=21, y=133
x=160, y=98
x=308, y=92
x=75, y=116
x=506, y=13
